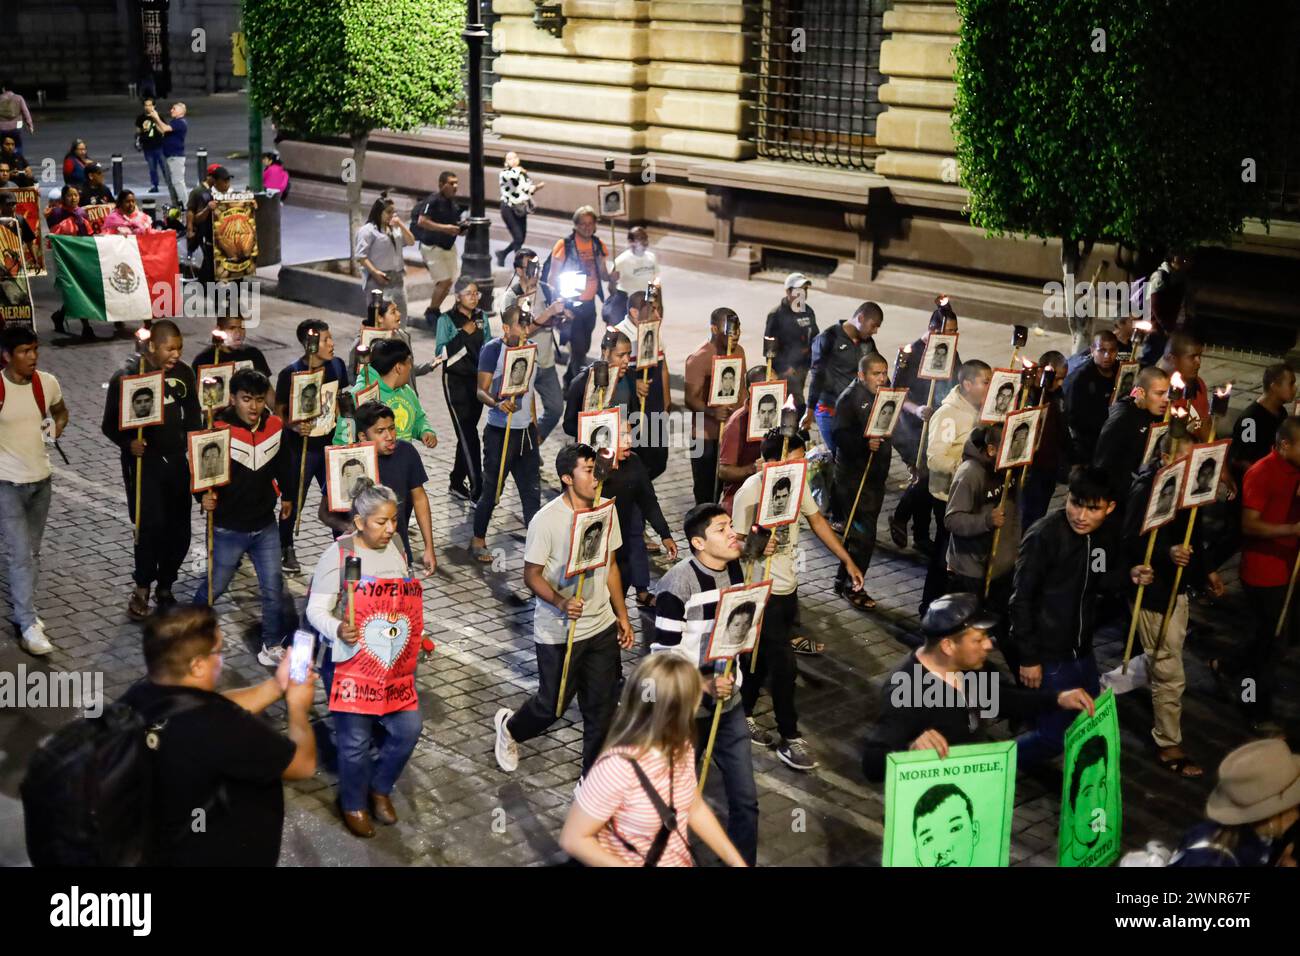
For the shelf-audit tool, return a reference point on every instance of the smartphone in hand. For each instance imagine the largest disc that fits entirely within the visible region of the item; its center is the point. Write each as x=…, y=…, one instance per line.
x=300, y=656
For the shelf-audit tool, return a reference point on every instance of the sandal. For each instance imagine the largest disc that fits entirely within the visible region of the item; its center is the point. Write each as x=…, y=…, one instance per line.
x=482, y=555
x=804, y=645
x=859, y=599
x=1182, y=766
x=647, y=602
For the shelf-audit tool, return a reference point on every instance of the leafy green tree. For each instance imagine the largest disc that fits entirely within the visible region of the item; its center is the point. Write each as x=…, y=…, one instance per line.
x=1142, y=122
x=343, y=68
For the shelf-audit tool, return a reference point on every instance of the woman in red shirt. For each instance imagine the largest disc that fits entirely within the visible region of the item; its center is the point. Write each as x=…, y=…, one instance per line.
x=614, y=820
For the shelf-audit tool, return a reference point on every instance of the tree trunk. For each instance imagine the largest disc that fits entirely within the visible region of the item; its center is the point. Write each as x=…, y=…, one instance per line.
x=1074, y=253
x=359, y=141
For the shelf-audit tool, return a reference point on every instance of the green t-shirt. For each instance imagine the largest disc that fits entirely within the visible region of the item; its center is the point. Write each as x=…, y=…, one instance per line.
x=408, y=413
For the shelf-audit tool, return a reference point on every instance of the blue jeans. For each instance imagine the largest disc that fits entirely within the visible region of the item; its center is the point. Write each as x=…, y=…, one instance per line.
x=23, y=508
x=522, y=463
x=1047, y=738
x=362, y=771
x=279, y=618
x=826, y=422
x=733, y=756
x=157, y=167
x=547, y=384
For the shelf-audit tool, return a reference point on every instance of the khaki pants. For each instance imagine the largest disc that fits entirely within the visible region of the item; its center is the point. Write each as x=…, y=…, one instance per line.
x=1166, y=671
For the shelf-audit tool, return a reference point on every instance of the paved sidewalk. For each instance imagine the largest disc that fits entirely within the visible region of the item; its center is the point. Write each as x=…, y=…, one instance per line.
x=457, y=807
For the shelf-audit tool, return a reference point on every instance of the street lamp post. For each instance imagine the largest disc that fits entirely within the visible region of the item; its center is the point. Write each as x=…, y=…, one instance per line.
x=476, y=262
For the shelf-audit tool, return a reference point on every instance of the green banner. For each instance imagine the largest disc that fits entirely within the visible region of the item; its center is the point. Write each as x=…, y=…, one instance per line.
x=1091, y=821
x=954, y=811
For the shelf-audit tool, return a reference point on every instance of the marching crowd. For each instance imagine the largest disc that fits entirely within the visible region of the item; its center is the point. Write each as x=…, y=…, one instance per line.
x=1005, y=569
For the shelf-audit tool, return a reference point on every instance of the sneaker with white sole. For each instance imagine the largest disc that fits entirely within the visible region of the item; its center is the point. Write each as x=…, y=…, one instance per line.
x=507, y=750
x=758, y=735
x=794, y=753
x=271, y=656
x=34, y=640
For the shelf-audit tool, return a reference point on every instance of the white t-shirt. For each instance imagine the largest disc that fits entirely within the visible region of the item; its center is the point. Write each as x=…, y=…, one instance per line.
x=635, y=272
x=24, y=457
x=784, y=578
x=325, y=588
x=547, y=544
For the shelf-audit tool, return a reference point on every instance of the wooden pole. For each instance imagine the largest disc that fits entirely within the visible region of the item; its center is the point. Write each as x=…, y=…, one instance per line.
x=352, y=604
x=139, y=468
x=925, y=426
x=1137, y=602
x=767, y=565
x=1290, y=593
x=505, y=447
x=210, y=533
x=713, y=729
x=856, y=498
x=573, y=624
x=302, y=485
x=997, y=533
x=1178, y=572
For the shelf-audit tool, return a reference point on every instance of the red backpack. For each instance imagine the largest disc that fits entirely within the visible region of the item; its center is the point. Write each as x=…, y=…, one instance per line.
x=38, y=392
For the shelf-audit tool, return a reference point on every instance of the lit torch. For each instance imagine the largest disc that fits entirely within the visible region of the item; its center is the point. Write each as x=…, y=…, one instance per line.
x=1219, y=406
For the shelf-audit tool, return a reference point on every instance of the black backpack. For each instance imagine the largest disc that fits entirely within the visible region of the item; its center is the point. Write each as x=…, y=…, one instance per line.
x=88, y=794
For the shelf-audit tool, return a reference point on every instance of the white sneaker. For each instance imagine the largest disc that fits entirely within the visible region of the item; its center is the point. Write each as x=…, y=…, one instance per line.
x=271, y=656
x=507, y=750
x=34, y=640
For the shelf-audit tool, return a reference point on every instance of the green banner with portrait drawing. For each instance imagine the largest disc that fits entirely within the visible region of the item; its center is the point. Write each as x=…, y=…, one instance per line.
x=1091, y=822
x=954, y=811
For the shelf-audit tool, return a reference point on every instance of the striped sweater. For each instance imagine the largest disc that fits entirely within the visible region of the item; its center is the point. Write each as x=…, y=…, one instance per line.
x=686, y=605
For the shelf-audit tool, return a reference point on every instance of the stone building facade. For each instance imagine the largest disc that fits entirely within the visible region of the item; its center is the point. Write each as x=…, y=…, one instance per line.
x=762, y=137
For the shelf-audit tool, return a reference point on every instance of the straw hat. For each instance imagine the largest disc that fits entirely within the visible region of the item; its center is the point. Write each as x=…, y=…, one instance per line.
x=1256, y=781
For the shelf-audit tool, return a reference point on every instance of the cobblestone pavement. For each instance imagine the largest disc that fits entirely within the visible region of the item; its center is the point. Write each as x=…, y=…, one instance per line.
x=457, y=807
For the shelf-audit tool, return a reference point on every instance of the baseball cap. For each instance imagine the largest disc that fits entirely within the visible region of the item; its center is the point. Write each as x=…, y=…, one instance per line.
x=217, y=171
x=796, y=279
x=93, y=168
x=954, y=613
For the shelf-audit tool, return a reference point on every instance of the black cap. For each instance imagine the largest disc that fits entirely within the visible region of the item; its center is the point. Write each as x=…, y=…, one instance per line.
x=954, y=613
x=219, y=173
x=94, y=168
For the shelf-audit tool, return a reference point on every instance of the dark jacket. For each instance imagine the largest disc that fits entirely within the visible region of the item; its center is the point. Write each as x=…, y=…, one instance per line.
x=835, y=359
x=1053, y=448
x=260, y=466
x=794, y=333
x=900, y=721
x=245, y=353
x=624, y=392
x=1087, y=406
x=975, y=493
x=1120, y=445
x=181, y=413
x=464, y=368
x=631, y=488
x=1156, y=597
x=908, y=432
x=853, y=449
x=1059, y=575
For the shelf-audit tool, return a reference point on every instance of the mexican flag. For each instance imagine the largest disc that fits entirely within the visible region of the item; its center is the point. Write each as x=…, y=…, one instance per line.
x=116, y=278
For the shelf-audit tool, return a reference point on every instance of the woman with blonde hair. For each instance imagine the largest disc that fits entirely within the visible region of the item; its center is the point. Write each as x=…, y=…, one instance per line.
x=635, y=804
